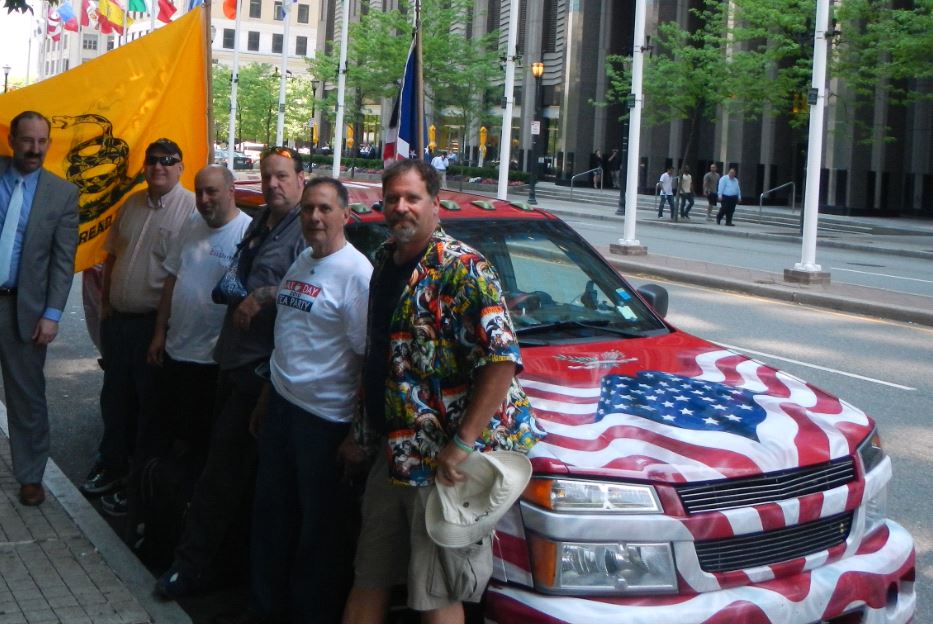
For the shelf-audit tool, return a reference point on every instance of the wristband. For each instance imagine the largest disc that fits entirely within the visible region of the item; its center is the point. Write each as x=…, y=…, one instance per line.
x=463, y=446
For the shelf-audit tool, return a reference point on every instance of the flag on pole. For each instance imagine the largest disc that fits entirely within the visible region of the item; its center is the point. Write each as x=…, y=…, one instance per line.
x=139, y=6
x=166, y=11
x=193, y=4
x=53, y=25
x=101, y=125
x=112, y=17
x=68, y=16
x=400, y=135
x=229, y=9
x=87, y=11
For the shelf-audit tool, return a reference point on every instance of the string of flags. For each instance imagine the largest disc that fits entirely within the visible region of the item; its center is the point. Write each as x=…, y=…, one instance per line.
x=107, y=16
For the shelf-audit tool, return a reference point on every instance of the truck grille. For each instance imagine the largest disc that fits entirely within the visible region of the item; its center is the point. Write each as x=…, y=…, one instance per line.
x=748, y=551
x=732, y=493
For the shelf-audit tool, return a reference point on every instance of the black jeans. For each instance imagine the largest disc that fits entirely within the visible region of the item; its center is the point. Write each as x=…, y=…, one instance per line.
x=300, y=555
x=727, y=208
x=222, y=493
x=126, y=398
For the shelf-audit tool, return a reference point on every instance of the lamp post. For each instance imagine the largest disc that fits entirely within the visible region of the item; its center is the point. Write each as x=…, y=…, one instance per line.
x=6, y=75
x=537, y=70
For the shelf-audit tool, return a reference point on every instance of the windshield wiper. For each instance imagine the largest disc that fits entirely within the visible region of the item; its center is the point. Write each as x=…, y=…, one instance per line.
x=598, y=325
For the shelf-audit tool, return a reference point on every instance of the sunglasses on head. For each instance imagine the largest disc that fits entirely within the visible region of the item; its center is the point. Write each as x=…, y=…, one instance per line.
x=165, y=161
x=284, y=152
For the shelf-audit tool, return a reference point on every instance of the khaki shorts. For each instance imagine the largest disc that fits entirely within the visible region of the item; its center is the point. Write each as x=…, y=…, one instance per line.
x=394, y=548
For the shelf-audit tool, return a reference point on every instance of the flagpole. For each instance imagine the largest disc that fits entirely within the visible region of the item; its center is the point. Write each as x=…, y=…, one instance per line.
x=419, y=82
x=234, y=79
x=505, y=141
x=280, y=123
x=209, y=83
x=341, y=86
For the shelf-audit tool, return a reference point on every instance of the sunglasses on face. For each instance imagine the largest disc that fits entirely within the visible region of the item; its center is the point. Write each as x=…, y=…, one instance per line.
x=284, y=152
x=165, y=161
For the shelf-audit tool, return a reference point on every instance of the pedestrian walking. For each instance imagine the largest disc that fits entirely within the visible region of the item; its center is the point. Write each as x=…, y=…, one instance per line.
x=729, y=195
x=614, y=163
x=38, y=239
x=711, y=190
x=424, y=416
x=685, y=187
x=440, y=164
x=596, y=169
x=666, y=183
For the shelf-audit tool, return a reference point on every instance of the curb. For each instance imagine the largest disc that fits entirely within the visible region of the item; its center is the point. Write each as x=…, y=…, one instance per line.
x=117, y=555
x=834, y=302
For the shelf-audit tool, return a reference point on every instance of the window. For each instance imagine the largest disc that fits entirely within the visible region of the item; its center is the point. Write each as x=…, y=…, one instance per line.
x=549, y=27
x=277, y=11
x=229, y=38
x=276, y=43
x=301, y=46
x=252, y=41
x=110, y=43
x=304, y=12
x=255, y=8
x=89, y=42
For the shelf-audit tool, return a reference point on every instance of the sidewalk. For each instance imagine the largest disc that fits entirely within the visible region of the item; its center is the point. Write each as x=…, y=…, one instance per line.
x=61, y=562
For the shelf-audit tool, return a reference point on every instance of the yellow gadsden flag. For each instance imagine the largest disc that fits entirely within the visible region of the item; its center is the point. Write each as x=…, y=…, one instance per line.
x=106, y=111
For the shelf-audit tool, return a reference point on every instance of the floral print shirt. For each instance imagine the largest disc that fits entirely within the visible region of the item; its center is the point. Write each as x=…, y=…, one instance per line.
x=450, y=320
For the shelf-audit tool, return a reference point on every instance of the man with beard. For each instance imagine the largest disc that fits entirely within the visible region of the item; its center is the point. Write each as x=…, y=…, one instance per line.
x=415, y=412
x=36, y=272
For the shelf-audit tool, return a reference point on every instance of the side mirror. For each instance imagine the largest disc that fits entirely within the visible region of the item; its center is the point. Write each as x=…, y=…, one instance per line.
x=656, y=296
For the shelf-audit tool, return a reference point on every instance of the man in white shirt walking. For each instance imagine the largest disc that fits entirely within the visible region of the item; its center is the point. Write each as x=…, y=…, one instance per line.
x=440, y=164
x=667, y=193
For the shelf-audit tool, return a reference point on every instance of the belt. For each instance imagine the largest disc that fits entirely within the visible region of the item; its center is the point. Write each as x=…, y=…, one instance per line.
x=7, y=292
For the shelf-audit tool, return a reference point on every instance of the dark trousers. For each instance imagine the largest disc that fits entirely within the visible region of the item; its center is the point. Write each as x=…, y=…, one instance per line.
x=300, y=561
x=187, y=392
x=222, y=493
x=670, y=200
x=126, y=398
x=727, y=208
x=686, y=203
x=711, y=199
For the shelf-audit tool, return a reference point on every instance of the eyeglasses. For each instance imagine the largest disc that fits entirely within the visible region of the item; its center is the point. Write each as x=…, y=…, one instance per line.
x=165, y=161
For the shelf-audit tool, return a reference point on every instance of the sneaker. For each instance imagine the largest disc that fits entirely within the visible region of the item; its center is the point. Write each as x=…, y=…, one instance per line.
x=114, y=504
x=175, y=584
x=101, y=481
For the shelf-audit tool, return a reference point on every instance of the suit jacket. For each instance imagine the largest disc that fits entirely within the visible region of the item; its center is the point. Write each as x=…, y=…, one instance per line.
x=47, y=265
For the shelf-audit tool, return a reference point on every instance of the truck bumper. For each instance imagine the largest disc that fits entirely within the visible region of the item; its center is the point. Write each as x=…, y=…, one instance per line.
x=877, y=582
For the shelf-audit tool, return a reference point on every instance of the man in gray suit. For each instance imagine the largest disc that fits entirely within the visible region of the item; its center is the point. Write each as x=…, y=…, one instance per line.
x=39, y=235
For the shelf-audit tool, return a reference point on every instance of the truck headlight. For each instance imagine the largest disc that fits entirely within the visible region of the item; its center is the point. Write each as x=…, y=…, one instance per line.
x=592, y=496
x=603, y=568
x=870, y=451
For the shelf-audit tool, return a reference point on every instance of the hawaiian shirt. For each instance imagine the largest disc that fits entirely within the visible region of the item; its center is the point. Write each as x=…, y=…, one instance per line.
x=451, y=319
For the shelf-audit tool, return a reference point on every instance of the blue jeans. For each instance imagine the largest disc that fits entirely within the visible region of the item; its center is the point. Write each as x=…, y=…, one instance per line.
x=686, y=203
x=300, y=559
x=670, y=200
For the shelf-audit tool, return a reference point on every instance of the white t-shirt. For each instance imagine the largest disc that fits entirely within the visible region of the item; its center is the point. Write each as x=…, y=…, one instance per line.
x=198, y=258
x=320, y=332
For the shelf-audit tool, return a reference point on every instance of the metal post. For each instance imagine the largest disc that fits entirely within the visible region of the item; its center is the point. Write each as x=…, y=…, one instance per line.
x=634, y=132
x=6, y=76
x=537, y=70
x=505, y=140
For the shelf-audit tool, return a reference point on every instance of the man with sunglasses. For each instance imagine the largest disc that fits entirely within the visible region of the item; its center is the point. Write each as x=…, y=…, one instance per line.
x=136, y=247
x=221, y=496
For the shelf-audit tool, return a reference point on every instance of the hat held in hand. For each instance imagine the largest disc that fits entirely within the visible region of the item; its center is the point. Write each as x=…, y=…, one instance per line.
x=464, y=513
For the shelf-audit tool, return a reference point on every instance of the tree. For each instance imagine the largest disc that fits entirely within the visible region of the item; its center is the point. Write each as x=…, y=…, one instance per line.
x=456, y=68
x=220, y=91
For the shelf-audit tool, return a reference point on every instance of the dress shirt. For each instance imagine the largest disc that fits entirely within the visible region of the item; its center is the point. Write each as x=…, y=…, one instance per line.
x=729, y=186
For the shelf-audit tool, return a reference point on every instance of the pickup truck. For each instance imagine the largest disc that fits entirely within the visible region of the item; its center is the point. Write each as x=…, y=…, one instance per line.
x=677, y=481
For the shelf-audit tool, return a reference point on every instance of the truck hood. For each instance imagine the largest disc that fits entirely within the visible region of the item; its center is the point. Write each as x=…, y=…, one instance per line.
x=677, y=409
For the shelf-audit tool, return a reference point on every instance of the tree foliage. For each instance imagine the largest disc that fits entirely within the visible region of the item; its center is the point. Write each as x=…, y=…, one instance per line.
x=456, y=68
x=748, y=56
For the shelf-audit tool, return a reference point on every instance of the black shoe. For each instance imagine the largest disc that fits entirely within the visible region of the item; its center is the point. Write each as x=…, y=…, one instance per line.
x=731, y=224
x=175, y=584
x=101, y=481
x=114, y=504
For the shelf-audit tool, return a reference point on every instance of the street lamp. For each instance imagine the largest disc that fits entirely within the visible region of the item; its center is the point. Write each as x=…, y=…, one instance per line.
x=537, y=70
x=6, y=75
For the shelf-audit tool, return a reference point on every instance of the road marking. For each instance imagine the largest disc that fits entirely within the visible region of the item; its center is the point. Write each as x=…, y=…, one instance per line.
x=816, y=366
x=912, y=279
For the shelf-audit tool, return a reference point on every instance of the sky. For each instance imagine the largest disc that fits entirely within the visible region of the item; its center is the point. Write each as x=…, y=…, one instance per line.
x=14, y=43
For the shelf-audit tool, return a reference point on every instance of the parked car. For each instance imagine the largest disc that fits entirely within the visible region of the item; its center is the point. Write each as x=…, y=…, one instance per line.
x=677, y=481
x=240, y=160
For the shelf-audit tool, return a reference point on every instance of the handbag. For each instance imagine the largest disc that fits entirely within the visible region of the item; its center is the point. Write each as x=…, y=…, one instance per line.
x=229, y=288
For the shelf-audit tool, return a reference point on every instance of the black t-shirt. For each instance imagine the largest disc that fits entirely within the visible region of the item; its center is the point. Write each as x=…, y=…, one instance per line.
x=385, y=290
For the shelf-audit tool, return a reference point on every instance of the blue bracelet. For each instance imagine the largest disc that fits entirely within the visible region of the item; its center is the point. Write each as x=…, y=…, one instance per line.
x=463, y=446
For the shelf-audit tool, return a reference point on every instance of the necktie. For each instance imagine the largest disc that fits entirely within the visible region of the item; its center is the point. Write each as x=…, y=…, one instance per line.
x=8, y=236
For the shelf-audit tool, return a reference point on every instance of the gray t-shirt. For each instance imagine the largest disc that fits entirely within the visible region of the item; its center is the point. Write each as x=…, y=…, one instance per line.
x=263, y=261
